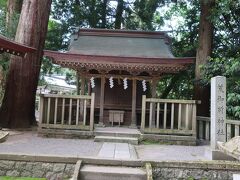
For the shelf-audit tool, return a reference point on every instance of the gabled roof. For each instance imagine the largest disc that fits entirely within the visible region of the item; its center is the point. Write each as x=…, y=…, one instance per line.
x=133, y=51
x=121, y=43
x=12, y=47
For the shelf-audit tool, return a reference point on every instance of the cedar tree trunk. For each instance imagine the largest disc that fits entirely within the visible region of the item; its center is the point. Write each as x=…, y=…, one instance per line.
x=18, y=108
x=203, y=52
x=119, y=13
x=13, y=8
x=104, y=13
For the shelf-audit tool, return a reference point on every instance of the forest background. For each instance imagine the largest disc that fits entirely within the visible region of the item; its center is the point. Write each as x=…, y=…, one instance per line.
x=181, y=19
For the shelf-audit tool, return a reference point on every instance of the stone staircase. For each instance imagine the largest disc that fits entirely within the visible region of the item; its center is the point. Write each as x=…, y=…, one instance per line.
x=93, y=172
x=117, y=135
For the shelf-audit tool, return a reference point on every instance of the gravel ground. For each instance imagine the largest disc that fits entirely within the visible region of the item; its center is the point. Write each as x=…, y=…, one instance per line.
x=173, y=152
x=30, y=143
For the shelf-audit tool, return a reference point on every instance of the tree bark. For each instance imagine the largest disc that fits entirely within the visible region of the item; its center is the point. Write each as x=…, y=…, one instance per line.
x=119, y=13
x=204, y=50
x=104, y=14
x=13, y=7
x=18, y=108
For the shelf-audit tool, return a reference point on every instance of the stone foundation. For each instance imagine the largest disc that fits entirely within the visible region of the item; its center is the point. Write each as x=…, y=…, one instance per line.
x=52, y=171
x=59, y=168
x=202, y=170
x=201, y=174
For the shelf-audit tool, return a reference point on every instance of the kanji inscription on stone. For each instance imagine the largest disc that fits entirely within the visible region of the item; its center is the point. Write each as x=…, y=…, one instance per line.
x=218, y=110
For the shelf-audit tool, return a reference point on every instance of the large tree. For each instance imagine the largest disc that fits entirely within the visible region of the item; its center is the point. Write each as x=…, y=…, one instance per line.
x=18, y=107
x=10, y=11
x=204, y=51
x=13, y=10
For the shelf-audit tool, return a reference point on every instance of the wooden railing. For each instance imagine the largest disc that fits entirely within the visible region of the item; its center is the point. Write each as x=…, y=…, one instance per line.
x=204, y=125
x=203, y=128
x=168, y=116
x=67, y=111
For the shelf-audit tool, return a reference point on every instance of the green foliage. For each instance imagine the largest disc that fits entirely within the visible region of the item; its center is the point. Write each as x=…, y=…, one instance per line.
x=10, y=31
x=181, y=88
x=230, y=68
x=185, y=36
x=184, y=44
x=145, y=11
x=225, y=17
x=3, y=6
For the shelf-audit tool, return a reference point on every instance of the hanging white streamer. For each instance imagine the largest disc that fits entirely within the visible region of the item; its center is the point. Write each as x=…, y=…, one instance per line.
x=144, y=85
x=92, y=82
x=125, y=83
x=111, y=83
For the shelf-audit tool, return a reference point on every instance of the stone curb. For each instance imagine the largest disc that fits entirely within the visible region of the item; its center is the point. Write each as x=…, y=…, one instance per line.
x=149, y=171
x=77, y=170
x=211, y=165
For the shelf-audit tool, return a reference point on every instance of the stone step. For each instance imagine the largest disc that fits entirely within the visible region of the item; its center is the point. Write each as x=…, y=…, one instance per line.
x=92, y=172
x=117, y=134
x=3, y=136
x=130, y=140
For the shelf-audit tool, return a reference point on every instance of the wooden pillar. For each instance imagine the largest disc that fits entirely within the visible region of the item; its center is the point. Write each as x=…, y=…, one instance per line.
x=102, y=100
x=82, y=101
x=82, y=85
x=89, y=87
x=154, y=88
x=78, y=83
x=134, y=94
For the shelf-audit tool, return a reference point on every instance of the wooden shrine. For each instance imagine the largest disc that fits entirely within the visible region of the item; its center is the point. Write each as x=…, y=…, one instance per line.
x=116, y=65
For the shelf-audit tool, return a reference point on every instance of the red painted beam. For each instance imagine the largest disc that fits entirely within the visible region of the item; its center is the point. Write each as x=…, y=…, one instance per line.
x=12, y=47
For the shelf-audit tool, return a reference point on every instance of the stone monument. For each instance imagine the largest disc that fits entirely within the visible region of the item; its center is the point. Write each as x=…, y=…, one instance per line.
x=218, y=110
x=218, y=117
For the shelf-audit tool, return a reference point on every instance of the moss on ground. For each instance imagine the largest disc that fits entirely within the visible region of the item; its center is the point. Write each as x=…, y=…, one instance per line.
x=20, y=178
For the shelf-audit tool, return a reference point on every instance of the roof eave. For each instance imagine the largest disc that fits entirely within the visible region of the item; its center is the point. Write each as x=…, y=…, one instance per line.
x=71, y=57
x=12, y=47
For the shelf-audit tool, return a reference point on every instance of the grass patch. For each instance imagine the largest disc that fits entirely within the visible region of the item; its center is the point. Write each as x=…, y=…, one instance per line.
x=20, y=178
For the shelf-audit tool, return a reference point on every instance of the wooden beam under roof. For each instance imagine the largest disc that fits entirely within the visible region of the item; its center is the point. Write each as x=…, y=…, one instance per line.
x=12, y=47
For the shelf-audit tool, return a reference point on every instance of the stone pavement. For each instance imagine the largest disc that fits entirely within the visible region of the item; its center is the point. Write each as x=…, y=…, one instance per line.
x=173, y=152
x=28, y=143
x=117, y=151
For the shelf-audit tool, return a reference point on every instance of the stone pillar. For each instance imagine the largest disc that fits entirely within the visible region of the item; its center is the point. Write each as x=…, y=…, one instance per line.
x=218, y=110
x=134, y=94
x=218, y=116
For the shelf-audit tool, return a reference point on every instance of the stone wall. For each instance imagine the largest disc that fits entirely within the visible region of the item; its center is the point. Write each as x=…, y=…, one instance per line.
x=52, y=171
x=203, y=174
x=209, y=170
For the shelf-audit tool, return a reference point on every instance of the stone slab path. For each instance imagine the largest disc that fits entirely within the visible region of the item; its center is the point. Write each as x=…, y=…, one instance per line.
x=117, y=151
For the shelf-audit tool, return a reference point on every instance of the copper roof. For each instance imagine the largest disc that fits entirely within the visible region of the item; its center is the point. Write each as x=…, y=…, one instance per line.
x=137, y=51
x=102, y=42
